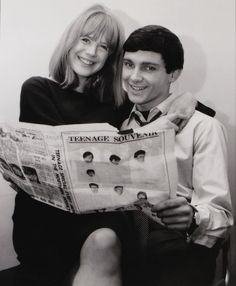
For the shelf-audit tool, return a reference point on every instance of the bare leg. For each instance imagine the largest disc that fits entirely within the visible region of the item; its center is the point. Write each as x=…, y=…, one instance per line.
x=100, y=260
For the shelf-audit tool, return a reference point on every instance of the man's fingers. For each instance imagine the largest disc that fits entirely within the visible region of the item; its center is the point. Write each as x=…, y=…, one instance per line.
x=171, y=203
x=178, y=226
x=175, y=220
x=176, y=211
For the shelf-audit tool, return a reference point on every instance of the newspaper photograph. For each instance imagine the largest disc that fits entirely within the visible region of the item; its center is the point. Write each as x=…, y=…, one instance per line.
x=84, y=168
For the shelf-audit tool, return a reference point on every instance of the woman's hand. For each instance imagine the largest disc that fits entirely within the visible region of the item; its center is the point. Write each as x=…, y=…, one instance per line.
x=184, y=104
x=162, y=123
x=176, y=214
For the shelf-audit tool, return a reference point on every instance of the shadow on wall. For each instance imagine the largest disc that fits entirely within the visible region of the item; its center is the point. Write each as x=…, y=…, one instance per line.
x=195, y=59
x=195, y=64
x=129, y=23
x=231, y=134
x=7, y=253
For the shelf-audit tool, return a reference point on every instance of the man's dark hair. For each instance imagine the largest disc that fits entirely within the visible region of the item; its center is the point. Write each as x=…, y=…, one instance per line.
x=160, y=40
x=90, y=171
x=142, y=195
x=114, y=157
x=139, y=152
x=87, y=153
x=93, y=185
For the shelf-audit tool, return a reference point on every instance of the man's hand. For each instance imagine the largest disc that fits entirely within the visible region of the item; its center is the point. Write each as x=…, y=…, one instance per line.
x=175, y=213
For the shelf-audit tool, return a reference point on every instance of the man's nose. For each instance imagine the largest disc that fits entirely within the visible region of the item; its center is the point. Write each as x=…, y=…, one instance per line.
x=136, y=75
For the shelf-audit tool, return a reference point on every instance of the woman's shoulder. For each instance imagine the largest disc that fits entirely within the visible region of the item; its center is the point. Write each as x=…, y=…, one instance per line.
x=38, y=81
x=38, y=101
x=39, y=88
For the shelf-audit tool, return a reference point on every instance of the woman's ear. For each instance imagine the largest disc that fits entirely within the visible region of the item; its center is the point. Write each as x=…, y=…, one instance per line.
x=173, y=76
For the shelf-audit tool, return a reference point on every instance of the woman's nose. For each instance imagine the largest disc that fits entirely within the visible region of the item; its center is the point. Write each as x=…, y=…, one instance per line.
x=92, y=49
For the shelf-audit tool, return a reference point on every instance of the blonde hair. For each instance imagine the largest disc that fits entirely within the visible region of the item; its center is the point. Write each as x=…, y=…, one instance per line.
x=97, y=21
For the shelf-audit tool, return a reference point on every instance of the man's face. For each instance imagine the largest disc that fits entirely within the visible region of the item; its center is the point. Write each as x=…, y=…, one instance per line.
x=145, y=78
x=119, y=189
x=91, y=173
x=115, y=161
x=88, y=158
x=94, y=188
x=140, y=157
x=142, y=196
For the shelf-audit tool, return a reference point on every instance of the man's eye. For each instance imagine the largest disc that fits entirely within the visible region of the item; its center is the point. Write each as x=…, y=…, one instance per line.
x=127, y=64
x=150, y=68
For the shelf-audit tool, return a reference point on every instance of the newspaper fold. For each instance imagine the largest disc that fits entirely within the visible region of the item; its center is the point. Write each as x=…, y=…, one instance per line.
x=85, y=168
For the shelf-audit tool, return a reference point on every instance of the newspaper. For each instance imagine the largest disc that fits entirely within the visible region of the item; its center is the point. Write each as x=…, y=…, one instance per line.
x=84, y=168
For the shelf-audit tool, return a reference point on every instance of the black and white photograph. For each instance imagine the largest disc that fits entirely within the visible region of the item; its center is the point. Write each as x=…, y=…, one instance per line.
x=153, y=206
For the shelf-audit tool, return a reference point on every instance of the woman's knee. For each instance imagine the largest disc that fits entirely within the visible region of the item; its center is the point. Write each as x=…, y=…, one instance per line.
x=103, y=239
x=102, y=248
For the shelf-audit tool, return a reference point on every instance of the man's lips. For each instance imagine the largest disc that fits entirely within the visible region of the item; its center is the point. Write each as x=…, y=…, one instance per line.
x=137, y=87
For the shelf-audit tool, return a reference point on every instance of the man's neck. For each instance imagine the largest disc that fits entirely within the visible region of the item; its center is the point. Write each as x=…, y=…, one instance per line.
x=149, y=105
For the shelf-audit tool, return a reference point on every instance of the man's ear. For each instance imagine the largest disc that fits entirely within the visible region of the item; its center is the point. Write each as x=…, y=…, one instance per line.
x=173, y=76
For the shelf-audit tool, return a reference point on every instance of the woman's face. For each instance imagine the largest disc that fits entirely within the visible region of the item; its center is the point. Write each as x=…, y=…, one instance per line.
x=88, y=56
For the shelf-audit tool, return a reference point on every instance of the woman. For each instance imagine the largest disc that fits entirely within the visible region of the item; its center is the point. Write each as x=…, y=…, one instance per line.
x=84, y=79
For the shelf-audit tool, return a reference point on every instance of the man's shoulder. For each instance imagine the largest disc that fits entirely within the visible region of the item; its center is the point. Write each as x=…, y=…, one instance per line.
x=205, y=109
x=198, y=116
x=201, y=129
x=204, y=122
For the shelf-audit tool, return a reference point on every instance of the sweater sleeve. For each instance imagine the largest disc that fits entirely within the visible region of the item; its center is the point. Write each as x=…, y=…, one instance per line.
x=205, y=109
x=36, y=103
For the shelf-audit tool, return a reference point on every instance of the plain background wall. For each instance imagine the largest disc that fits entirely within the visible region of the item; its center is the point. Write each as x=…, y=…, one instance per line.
x=30, y=30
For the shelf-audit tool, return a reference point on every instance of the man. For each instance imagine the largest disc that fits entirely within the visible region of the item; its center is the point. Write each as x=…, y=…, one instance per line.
x=88, y=157
x=119, y=190
x=140, y=155
x=90, y=172
x=184, y=250
x=114, y=159
x=94, y=187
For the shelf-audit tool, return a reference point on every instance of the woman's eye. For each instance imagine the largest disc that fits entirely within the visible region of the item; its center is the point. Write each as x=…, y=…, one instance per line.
x=104, y=47
x=85, y=40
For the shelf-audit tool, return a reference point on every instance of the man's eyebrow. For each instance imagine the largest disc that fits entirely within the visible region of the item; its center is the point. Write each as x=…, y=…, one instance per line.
x=142, y=63
x=150, y=63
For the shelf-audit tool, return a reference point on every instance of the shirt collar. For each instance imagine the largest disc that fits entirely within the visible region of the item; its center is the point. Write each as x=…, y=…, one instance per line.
x=163, y=107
